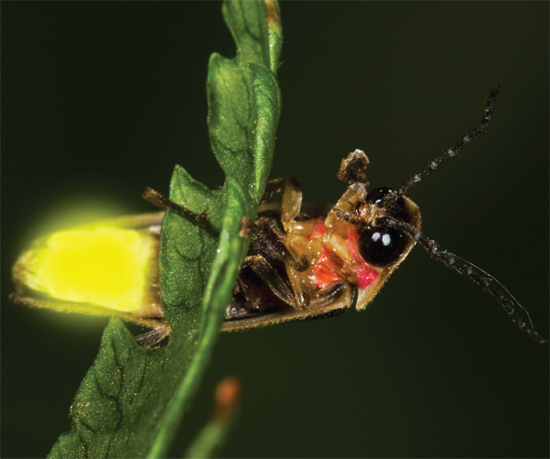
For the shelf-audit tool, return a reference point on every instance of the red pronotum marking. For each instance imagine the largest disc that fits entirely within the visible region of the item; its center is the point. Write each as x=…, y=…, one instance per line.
x=329, y=264
x=326, y=268
x=319, y=230
x=366, y=276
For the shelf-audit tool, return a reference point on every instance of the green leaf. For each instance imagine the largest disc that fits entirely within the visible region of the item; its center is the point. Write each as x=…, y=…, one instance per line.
x=244, y=100
x=132, y=399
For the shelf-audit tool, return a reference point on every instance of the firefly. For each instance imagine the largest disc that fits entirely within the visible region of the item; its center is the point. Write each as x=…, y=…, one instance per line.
x=304, y=261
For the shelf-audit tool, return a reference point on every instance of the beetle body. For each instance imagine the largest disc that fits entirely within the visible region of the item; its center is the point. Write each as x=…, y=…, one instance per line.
x=320, y=280
x=303, y=261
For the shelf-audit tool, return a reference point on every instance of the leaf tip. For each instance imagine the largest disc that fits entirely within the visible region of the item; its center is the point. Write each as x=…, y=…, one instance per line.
x=273, y=16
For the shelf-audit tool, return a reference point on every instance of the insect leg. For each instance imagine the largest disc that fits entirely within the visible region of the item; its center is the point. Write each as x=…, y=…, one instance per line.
x=346, y=217
x=292, y=200
x=271, y=278
x=292, y=196
x=300, y=285
x=267, y=239
x=153, y=337
x=159, y=200
x=267, y=243
x=349, y=174
x=273, y=187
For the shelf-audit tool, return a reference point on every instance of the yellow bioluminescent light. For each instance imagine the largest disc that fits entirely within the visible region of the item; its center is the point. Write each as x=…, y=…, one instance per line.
x=105, y=266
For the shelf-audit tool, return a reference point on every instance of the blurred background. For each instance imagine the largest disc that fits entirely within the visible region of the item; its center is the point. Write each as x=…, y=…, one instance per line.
x=102, y=99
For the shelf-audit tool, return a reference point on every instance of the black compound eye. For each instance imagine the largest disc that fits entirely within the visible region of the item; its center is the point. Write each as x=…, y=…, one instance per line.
x=394, y=207
x=381, y=245
x=375, y=196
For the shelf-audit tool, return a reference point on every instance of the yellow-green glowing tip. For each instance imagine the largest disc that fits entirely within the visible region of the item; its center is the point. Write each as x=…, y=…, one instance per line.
x=105, y=266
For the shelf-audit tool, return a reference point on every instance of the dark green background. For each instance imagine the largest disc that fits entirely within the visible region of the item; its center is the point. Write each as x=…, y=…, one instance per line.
x=101, y=99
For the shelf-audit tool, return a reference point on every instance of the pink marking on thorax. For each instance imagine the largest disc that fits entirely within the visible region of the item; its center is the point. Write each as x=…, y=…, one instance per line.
x=353, y=240
x=329, y=264
x=319, y=230
x=325, y=269
x=366, y=276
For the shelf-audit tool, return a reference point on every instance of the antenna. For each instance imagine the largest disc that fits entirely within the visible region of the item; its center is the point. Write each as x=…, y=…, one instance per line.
x=158, y=199
x=475, y=274
x=451, y=152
